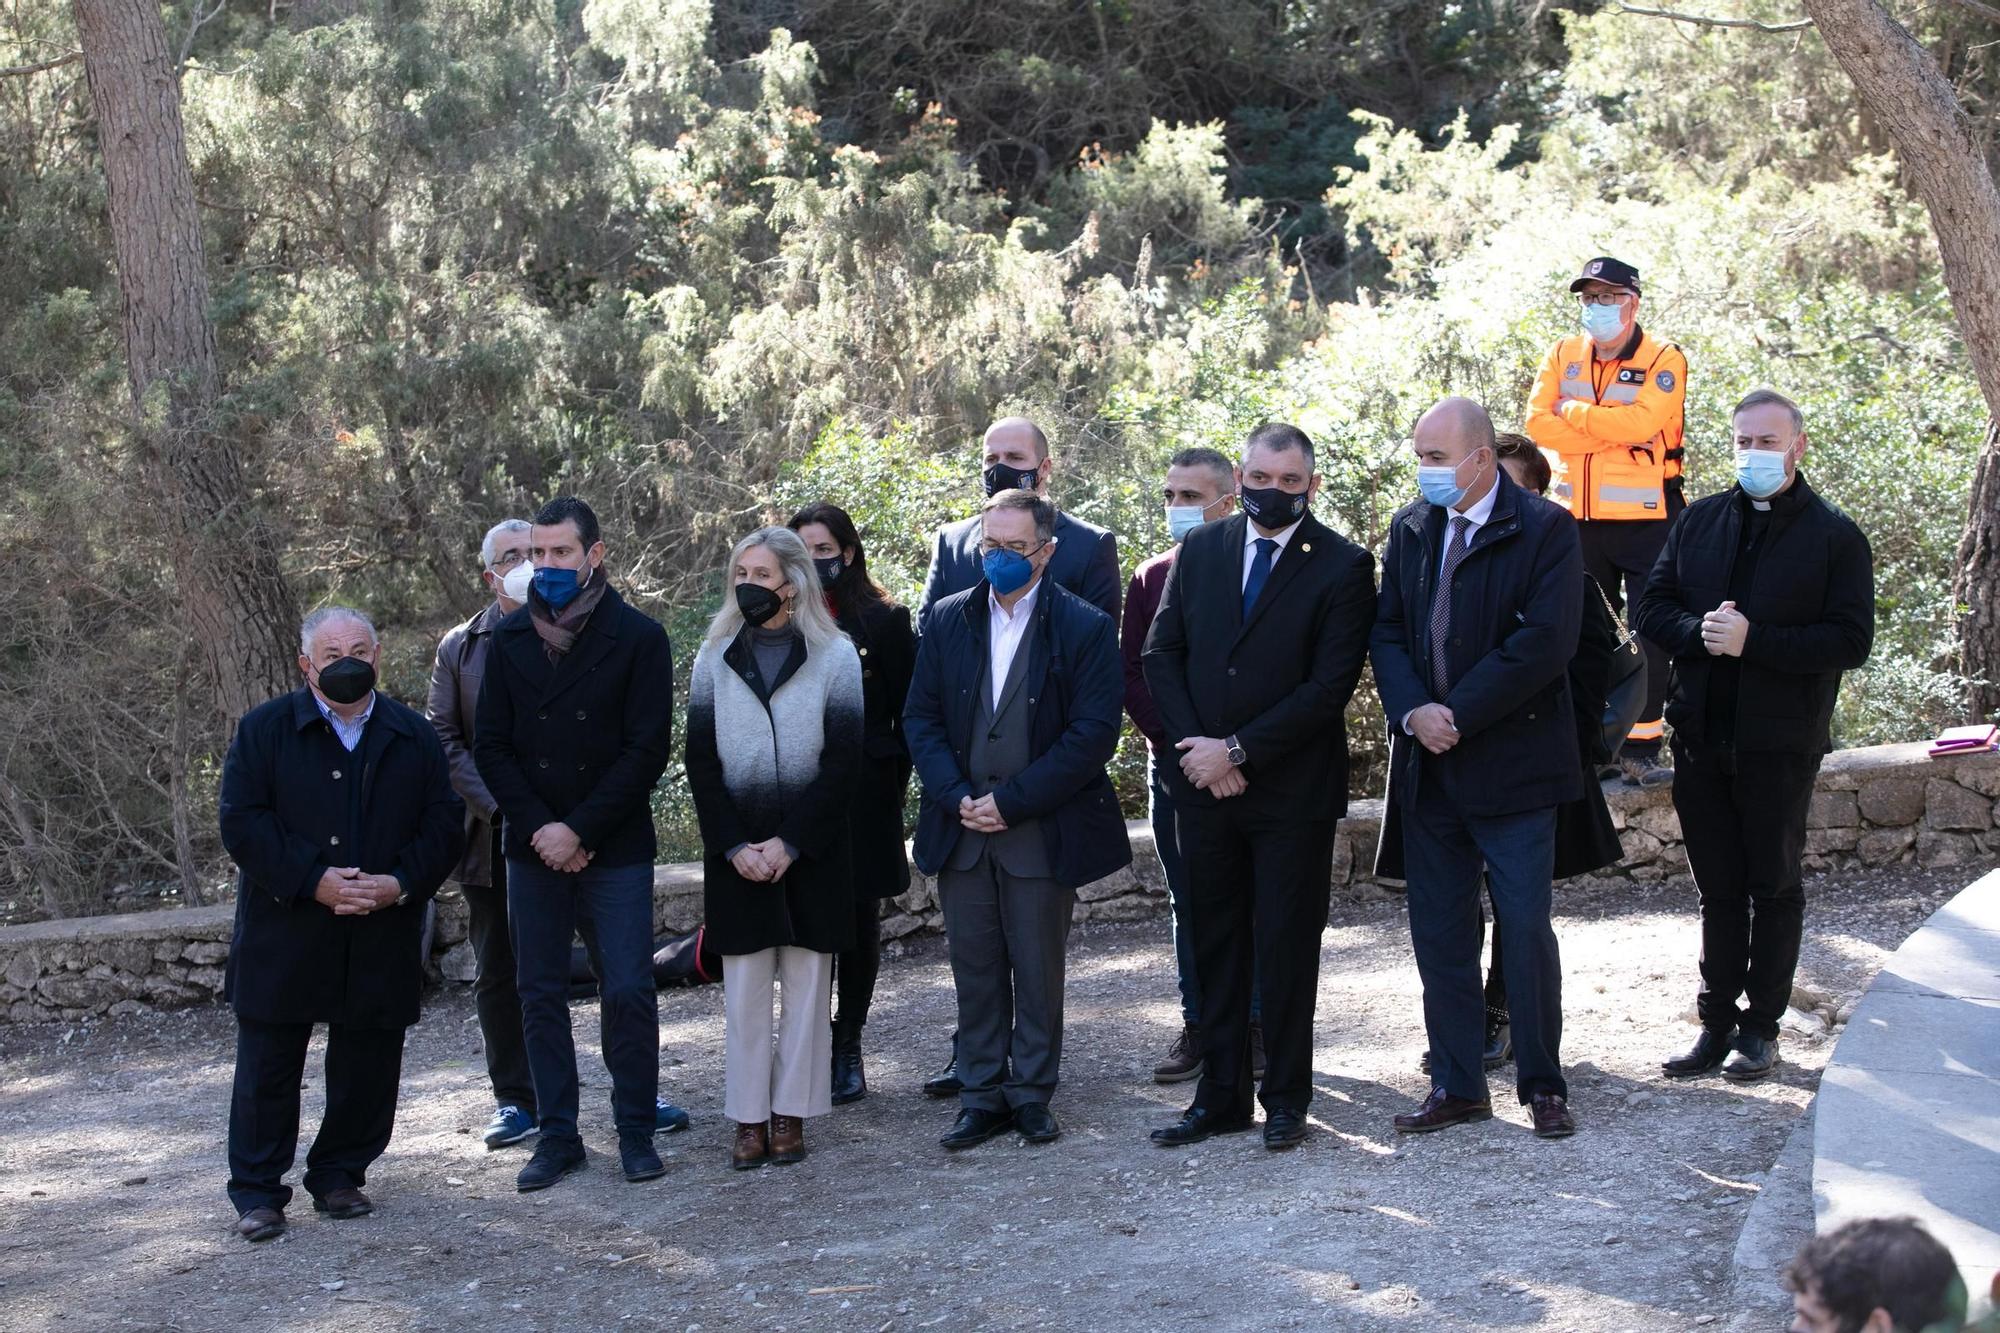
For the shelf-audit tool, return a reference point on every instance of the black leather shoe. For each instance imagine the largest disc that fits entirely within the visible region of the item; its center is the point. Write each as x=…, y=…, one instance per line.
x=946, y=1082
x=638, y=1159
x=1710, y=1049
x=1035, y=1123
x=1754, y=1058
x=974, y=1127
x=850, y=1080
x=1283, y=1129
x=553, y=1159
x=1199, y=1123
x=1551, y=1114
x=1499, y=1040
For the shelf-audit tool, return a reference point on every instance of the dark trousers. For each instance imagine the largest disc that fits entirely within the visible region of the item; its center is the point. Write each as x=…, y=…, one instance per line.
x=1743, y=818
x=363, y=1067
x=493, y=993
x=1443, y=849
x=1008, y=938
x=1620, y=555
x=612, y=908
x=855, y=970
x=1166, y=842
x=1258, y=886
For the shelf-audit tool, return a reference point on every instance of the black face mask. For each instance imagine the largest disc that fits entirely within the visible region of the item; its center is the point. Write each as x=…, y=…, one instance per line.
x=346, y=681
x=1272, y=507
x=1000, y=478
x=830, y=569
x=757, y=603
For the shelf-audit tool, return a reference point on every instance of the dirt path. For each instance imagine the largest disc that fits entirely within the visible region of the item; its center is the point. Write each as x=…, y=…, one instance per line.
x=111, y=1170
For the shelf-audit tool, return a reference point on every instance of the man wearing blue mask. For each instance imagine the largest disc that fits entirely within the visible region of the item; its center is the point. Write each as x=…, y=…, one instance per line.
x=1012, y=715
x=1764, y=594
x=1608, y=405
x=1482, y=601
x=1200, y=488
x=573, y=729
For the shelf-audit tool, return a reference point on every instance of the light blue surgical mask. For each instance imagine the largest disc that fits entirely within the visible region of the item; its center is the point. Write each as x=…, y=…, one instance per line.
x=1183, y=519
x=1008, y=571
x=1440, y=484
x=1761, y=472
x=1603, y=322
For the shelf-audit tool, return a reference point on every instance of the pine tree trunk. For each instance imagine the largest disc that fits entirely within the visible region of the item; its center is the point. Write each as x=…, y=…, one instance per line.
x=225, y=560
x=1906, y=92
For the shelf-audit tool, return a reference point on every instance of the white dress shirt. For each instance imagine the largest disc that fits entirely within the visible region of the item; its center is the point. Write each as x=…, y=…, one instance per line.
x=1252, y=537
x=1475, y=519
x=1004, y=632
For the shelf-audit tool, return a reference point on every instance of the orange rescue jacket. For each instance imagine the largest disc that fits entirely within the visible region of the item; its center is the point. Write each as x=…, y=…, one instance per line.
x=1612, y=428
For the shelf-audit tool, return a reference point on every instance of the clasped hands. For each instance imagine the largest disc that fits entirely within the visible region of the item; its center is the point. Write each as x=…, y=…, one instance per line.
x=350, y=893
x=762, y=862
x=981, y=814
x=1724, y=631
x=1434, y=727
x=560, y=848
x=1205, y=763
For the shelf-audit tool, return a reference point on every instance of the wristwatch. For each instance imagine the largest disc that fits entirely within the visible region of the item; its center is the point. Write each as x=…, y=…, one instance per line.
x=1236, y=755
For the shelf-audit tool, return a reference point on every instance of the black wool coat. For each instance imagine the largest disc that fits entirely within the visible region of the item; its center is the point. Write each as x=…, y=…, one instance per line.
x=582, y=741
x=289, y=810
x=888, y=647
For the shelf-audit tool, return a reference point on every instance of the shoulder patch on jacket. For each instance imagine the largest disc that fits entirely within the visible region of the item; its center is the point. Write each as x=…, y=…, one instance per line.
x=1665, y=379
x=1572, y=370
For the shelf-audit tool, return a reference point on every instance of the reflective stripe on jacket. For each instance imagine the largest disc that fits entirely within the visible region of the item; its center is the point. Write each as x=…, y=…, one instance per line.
x=1611, y=428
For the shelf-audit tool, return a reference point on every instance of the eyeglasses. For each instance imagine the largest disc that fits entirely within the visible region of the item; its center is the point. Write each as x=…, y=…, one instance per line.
x=509, y=559
x=1602, y=298
x=1018, y=548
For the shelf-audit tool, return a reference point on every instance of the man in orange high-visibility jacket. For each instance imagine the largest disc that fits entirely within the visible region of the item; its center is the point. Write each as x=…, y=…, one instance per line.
x=1606, y=409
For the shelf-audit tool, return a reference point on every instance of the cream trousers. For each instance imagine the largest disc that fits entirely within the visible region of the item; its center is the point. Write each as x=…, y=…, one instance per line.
x=796, y=1076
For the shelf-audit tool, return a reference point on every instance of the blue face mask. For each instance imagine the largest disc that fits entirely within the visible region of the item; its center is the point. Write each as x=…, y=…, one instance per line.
x=1183, y=519
x=1603, y=322
x=558, y=587
x=1761, y=472
x=1007, y=571
x=1440, y=484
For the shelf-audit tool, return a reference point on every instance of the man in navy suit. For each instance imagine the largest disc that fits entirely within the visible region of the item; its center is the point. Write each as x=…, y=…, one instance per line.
x=1083, y=559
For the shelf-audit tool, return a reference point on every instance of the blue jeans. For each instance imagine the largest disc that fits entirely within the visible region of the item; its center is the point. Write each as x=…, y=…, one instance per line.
x=612, y=907
x=1166, y=842
x=1443, y=850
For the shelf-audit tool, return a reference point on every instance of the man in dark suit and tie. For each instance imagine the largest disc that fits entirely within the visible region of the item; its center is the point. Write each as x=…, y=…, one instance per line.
x=1084, y=559
x=1482, y=597
x=1013, y=714
x=1257, y=646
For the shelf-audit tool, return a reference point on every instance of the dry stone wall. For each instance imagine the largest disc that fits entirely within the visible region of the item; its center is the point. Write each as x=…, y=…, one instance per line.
x=1874, y=807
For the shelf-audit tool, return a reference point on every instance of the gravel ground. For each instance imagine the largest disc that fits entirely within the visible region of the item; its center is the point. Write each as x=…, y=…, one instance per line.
x=111, y=1169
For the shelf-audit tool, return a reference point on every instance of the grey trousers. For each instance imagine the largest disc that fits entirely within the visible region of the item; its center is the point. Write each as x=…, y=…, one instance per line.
x=1007, y=936
x=794, y=1076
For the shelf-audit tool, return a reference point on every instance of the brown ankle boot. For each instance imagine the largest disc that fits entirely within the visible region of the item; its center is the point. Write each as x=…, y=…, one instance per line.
x=751, y=1148
x=788, y=1138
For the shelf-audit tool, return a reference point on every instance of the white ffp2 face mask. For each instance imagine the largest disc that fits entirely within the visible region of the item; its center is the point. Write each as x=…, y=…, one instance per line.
x=514, y=585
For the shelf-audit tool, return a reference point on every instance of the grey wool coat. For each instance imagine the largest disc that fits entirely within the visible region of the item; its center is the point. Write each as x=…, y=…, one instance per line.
x=780, y=759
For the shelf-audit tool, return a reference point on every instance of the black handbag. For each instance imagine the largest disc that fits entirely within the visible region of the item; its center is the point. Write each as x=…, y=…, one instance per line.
x=1625, y=686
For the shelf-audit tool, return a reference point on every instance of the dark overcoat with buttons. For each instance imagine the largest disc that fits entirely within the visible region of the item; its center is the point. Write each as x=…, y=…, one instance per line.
x=888, y=647
x=296, y=801
x=580, y=741
x=1074, y=681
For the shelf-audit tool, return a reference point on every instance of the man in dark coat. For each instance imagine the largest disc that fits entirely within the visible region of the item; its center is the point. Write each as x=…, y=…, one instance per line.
x=1482, y=596
x=575, y=724
x=1764, y=594
x=1015, y=456
x=338, y=810
x=1255, y=651
x=1012, y=716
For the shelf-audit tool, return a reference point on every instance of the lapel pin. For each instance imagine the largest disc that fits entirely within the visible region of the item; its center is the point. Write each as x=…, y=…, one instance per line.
x=1306, y=547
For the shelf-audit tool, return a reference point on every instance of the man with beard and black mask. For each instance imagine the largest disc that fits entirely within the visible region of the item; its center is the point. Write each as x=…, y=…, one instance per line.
x=1015, y=456
x=338, y=810
x=575, y=722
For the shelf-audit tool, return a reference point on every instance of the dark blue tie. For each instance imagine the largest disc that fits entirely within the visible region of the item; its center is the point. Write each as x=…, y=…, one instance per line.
x=1260, y=571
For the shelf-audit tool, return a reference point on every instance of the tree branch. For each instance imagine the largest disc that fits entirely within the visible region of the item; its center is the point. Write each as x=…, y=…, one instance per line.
x=1983, y=10
x=12, y=71
x=195, y=22
x=1702, y=20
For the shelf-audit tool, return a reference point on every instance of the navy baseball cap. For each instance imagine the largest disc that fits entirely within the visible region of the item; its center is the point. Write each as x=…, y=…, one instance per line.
x=1606, y=269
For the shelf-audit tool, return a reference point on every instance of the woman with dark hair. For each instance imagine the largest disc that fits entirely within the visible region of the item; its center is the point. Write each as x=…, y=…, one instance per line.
x=882, y=635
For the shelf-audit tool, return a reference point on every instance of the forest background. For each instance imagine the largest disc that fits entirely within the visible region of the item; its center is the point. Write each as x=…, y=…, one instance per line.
x=701, y=263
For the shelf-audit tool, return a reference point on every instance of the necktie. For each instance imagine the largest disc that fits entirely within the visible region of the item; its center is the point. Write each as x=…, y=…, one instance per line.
x=1260, y=570
x=1454, y=551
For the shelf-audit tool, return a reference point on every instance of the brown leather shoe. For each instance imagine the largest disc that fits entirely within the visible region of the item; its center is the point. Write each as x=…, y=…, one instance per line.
x=1441, y=1110
x=752, y=1147
x=788, y=1139
x=1551, y=1114
x=261, y=1224
x=343, y=1203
